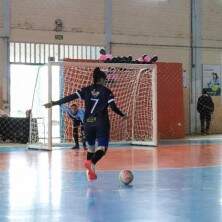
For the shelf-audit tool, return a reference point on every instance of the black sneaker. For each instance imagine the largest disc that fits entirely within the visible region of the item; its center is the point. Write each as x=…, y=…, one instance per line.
x=75, y=147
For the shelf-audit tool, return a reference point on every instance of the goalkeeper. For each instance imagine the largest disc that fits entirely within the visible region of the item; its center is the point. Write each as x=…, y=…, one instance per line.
x=77, y=116
x=97, y=98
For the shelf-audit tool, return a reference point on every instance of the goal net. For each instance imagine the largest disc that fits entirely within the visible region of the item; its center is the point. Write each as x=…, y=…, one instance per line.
x=134, y=88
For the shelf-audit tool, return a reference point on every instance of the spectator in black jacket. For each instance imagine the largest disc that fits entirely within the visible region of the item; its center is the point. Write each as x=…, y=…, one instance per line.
x=205, y=107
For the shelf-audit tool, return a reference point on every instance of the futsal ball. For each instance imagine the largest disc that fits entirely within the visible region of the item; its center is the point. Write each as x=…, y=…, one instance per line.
x=126, y=177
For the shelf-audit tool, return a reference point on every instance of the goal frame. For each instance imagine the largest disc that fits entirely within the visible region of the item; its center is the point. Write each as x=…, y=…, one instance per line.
x=153, y=143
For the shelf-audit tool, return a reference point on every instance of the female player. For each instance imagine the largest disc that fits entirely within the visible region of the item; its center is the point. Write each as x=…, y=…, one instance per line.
x=97, y=98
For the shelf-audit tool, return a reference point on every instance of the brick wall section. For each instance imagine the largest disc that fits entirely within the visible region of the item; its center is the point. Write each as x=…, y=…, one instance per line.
x=1, y=15
x=139, y=22
x=211, y=21
x=151, y=18
x=1, y=74
x=78, y=16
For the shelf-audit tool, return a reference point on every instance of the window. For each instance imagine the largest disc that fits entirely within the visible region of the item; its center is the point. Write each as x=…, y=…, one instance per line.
x=38, y=53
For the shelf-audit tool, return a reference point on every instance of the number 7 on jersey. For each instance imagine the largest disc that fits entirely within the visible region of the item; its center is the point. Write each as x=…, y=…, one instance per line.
x=94, y=105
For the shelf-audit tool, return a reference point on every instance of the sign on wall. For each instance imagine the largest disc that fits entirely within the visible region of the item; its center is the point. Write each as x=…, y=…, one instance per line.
x=212, y=79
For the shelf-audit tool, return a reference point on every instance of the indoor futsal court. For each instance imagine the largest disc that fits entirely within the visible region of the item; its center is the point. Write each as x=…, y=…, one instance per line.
x=110, y=111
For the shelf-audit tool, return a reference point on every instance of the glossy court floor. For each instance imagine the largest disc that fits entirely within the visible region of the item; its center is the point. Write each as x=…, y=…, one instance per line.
x=180, y=181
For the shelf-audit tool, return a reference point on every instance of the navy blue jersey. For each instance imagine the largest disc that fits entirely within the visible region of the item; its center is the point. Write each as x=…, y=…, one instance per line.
x=97, y=99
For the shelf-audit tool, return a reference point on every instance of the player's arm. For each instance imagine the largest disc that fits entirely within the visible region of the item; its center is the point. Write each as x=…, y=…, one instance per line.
x=115, y=109
x=66, y=99
x=113, y=106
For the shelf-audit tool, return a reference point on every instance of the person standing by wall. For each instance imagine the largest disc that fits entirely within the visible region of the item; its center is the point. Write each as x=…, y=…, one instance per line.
x=205, y=107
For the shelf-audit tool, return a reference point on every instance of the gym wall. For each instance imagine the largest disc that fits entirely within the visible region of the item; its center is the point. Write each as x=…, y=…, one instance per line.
x=142, y=26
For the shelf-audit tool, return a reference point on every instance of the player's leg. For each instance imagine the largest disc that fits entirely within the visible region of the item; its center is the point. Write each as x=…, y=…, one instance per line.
x=76, y=133
x=102, y=135
x=94, y=157
x=90, y=133
x=103, y=143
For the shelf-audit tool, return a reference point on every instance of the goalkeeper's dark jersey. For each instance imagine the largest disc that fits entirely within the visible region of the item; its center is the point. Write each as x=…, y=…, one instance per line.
x=97, y=99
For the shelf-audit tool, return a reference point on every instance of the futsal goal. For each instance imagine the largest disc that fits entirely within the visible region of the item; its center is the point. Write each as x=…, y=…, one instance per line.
x=133, y=85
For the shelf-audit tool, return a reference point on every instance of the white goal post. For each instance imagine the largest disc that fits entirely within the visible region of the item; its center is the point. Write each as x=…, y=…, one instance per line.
x=135, y=90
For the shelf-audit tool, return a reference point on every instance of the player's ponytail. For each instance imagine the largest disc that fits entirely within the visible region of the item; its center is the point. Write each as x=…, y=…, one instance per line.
x=98, y=75
x=96, y=71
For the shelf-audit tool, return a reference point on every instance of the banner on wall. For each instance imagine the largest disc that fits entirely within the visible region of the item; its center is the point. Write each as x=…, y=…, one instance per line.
x=212, y=79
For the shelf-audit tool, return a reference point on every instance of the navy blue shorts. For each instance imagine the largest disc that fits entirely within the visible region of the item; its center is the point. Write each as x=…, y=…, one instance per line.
x=97, y=134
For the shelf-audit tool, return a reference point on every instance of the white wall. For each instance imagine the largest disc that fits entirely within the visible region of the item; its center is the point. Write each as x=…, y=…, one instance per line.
x=138, y=26
x=212, y=54
x=1, y=59
x=33, y=20
x=1, y=15
x=151, y=21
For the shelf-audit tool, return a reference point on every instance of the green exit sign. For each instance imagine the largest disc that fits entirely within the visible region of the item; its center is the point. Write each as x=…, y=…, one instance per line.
x=59, y=37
